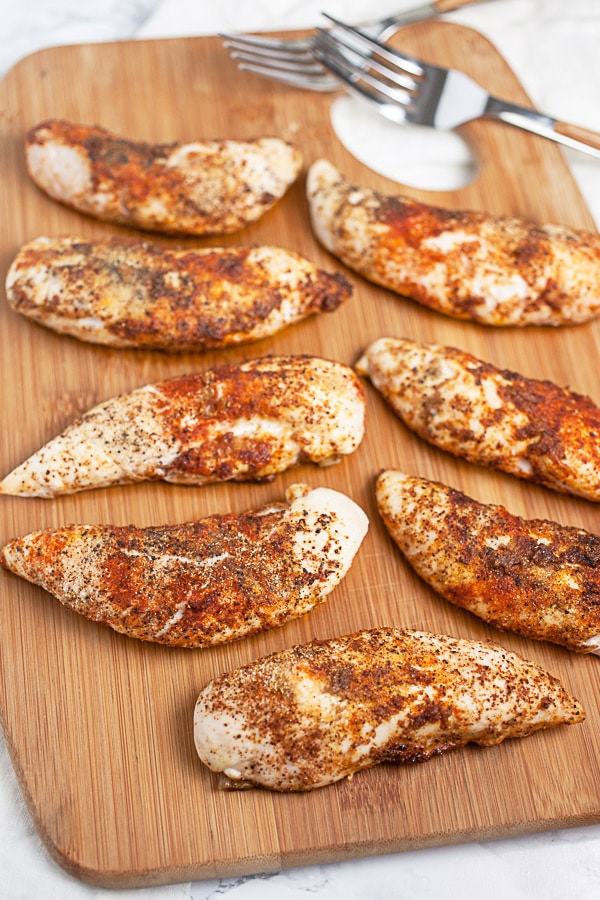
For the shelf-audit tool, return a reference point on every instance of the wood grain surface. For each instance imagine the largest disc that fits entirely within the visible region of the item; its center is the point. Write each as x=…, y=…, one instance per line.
x=100, y=726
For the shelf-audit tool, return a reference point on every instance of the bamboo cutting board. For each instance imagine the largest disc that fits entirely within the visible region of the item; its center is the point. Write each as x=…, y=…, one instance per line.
x=100, y=726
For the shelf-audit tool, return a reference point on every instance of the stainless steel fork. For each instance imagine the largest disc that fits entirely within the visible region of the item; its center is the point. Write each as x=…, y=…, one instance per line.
x=292, y=61
x=405, y=89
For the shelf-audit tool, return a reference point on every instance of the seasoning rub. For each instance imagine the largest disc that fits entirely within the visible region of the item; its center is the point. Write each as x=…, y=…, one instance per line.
x=532, y=429
x=197, y=188
x=535, y=577
x=130, y=293
x=206, y=582
x=468, y=264
x=242, y=422
x=314, y=714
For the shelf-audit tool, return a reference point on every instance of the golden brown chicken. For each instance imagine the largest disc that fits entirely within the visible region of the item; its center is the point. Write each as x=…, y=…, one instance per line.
x=497, y=270
x=201, y=187
x=311, y=715
x=533, y=429
x=202, y=583
x=235, y=423
x=531, y=576
x=130, y=293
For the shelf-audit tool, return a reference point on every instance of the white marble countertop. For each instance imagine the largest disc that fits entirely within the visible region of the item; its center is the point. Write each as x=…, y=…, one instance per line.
x=553, y=48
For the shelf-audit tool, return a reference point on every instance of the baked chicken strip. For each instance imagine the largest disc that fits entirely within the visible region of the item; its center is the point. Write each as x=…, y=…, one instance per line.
x=496, y=270
x=313, y=714
x=130, y=293
x=202, y=583
x=531, y=576
x=238, y=422
x=532, y=429
x=203, y=187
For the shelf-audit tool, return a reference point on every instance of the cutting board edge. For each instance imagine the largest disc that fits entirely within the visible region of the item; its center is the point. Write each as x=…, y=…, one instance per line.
x=272, y=864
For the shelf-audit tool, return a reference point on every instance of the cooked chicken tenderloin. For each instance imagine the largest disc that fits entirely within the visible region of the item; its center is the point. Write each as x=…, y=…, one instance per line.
x=202, y=583
x=535, y=577
x=496, y=270
x=197, y=188
x=131, y=293
x=311, y=715
x=239, y=422
x=532, y=429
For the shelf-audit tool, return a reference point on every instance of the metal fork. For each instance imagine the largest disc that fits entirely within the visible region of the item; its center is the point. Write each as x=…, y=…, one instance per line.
x=405, y=89
x=292, y=61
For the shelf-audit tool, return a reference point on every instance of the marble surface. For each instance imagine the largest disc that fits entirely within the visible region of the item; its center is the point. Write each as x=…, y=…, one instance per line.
x=553, y=48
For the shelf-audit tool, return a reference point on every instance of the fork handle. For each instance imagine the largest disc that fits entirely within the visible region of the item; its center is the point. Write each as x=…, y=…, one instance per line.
x=577, y=133
x=573, y=136
x=444, y=6
x=382, y=29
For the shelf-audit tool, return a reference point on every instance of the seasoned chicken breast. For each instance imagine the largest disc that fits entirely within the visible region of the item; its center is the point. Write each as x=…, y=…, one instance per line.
x=238, y=422
x=497, y=270
x=202, y=583
x=534, y=577
x=533, y=429
x=311, y=715
x=202, y=187
x=130, y=293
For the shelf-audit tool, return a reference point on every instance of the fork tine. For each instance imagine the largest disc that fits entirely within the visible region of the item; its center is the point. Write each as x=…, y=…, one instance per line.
x=299, y=62
x=328, y=43
x=288, y=61
x=320, y=82
x=269, y=44
x=300, y=72
x=292, y=61
x=393, y=103
x=357, y=41
x=295, y=62
x=291, y=69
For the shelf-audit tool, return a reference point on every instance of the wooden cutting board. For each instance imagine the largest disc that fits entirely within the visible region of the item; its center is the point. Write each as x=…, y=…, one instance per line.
x=100, y=726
